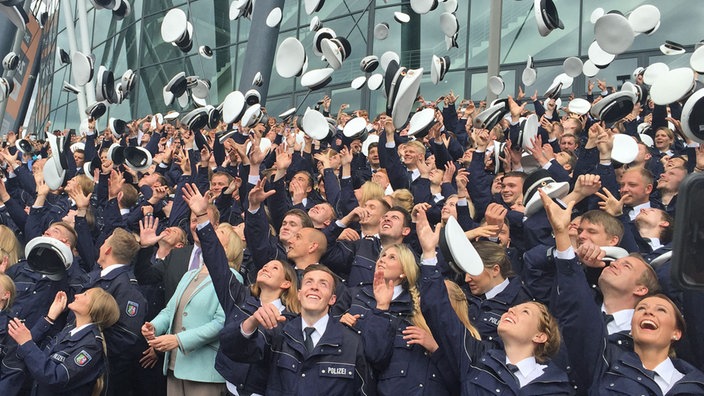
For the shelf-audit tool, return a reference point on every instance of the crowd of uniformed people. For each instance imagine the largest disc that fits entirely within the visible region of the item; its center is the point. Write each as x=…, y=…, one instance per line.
x=315, y=267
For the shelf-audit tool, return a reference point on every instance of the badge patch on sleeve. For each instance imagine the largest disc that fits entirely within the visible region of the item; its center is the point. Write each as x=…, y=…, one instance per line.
x=132, y=309
x=82, y=358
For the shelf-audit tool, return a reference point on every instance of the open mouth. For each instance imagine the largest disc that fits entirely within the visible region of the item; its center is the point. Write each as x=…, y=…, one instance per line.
x=648, y=324
x=509, y=319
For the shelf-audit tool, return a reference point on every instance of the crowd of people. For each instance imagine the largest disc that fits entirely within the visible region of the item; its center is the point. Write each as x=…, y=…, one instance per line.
x=228, y=266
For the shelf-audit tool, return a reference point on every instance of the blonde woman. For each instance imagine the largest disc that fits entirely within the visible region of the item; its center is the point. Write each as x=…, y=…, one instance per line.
x=9, y=248
x=7, y=297
x=398, y=343
x=530, y=337
x=75, y=360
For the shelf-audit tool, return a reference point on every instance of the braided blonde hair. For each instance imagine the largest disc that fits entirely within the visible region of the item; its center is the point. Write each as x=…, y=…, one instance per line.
x=410, y=272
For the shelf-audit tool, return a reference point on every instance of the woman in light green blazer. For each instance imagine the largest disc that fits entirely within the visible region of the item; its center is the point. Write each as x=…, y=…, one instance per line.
x=187, y=330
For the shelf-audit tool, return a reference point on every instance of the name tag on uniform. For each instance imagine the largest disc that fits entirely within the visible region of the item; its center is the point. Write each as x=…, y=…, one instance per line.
x=491, y=318
x=58, y=358
x=336, y=370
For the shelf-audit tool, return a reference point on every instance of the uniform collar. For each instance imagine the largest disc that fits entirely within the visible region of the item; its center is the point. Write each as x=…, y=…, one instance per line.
x=666, y=375
x=105, y=271
x=497, y=289
x=621, y=322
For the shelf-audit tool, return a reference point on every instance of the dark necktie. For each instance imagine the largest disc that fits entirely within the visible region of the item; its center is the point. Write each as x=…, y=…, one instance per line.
x=512, y=368
x=308, y=342
x=607, y=318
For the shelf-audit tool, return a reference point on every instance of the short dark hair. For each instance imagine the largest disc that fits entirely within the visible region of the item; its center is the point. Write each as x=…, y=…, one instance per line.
x=305, y=219
x=668, y=232
x=407, y=221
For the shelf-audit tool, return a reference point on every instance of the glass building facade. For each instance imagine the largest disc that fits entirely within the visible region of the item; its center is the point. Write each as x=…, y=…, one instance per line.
x=136, y=43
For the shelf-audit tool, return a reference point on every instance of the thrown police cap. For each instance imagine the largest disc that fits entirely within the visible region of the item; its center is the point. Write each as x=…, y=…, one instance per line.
x=673, y=86
x=24, y=146
x=693, y=117
x=128, y=80
x=451, y=42
x=421, y=122
x=528, y=129
x=274, y=17
x=233, y=107
x=175, y=88
x=496, y=85
x=638, y=71
x=171, y=115
x=53, y=174
x=240, y=8
x=598, y=56
x=645, y=19
x=157, y=119
x=613, y=253
x=672, y=48
x=118, y=127
x=264, y=145
x=335, y=51
x=625, y=149
x=10, y=61
x=645, y=138
x=315, y=24
x=356, y=128
x=579, y=106
x=596, y=14
x=121, y=10
x=654, y=71
x=392, y=78
x=48, y=256
x=375, y=81
x=174, y=26
x=696, y=61
x=451, y=5
x=196, y=119
x=386, y=59
x=317, y=78
x=287, y=115
x=498, y=154
x=424, y=6
x=401, y=17
x=458, y=251
x=15, y=13
x=368, y=142
x=565, y=80
x=252, y=116
x=214, y=116
x=369, y=63
x=438, y=68
x=70, y=88
x=405, y=97
x=322, y=33
x=81, y=68
x=96, y=110
x=89, y=167
x=6, y=87
x=554, y=89
x=315, y=125
x=312, y=6
x=541, y=178
x=290, y=58
x=491, y=116
x=205, y=51
x=590, y=69
x=77, y=146
x=546, y=16
x=57, y=145
x=530, y=74
x=358, y=82
x=64, y=57
x=138, y=158
x=636, y=89
x=614, y=33
x=105, y=85
x=258, y=80
x=573, y=66
x=449, y=24
x=252, y=97
x=381, y=31
x=614, y=106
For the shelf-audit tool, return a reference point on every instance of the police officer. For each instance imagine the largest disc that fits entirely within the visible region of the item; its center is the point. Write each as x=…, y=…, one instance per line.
x=74, y=360
x=312, y=351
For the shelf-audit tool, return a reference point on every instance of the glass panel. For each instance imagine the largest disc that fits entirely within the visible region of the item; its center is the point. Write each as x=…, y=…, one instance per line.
x=479, y=84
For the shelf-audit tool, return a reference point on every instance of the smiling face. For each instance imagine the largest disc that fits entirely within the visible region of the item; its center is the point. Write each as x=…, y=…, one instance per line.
x=390, y=262
x=449, y=208
x=512, y=189
x=670, y=179
x=662, y=140
x=521, y=323
x=218, y=183
x=623, y=276
x=392, y=225
x=321, y=213
x=317, y=292
x=634, y=189
x=655, y=323
x=289, y=227
x=273, y=275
